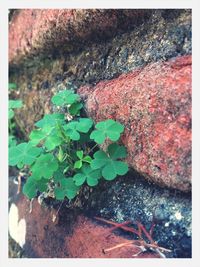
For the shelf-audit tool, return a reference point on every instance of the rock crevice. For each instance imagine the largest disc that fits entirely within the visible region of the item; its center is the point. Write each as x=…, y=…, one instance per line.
x=130, y=65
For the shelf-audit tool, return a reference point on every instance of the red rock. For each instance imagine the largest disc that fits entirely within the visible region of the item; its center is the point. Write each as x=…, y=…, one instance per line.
x=33, y=31
x=89, y=240
x=68, y=236
x=154, y=104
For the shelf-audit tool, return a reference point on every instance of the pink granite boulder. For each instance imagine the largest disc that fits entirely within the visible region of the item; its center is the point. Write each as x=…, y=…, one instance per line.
x=154, y=104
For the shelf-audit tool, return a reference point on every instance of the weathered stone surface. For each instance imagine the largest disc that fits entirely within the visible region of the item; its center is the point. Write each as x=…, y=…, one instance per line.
x=75, y=233
x=132, y=198
x=166, y=34
x=70, y=235
x=33, y=31
x=154, y=104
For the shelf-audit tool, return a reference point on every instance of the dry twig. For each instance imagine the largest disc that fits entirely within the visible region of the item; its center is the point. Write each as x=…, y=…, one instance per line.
x=140, y=243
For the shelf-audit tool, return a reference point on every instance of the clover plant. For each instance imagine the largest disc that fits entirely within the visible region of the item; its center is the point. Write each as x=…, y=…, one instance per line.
x=63, y=150
x=12, y=105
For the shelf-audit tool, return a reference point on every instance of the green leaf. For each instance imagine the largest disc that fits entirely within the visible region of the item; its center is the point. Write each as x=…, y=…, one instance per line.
x=12, y=105
x=12, y=141
x=45, y=166
x=42, y=185
x=53, y=140
x=87, y=159
x=101, y=158
x=87, y=174
x=108, y=162
x=74, y=128
x=78, y=164
x=64, y=98
x=15, y=104
x=84, y=138
x=12, y=86
x=32, y=186
x=79, y=154
x=24, y=153
x=59, y=174
x=36, y=136
x=67, y=189
x=51, y=120
x=50, y=134
x=60, y=154
x=29, y=189
x=20, y=165
x=116, y=151
x=107, y=129
x=59, y=193
x=84, y=125
x=71, y=131
x=75, y=108
x=114, y=168
x=10, y=114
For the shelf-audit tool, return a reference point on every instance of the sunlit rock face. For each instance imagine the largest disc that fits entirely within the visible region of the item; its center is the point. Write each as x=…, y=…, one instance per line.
x=154, y=104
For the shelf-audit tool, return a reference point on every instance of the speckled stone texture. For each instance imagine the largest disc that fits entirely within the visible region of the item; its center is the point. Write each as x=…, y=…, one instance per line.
x=70, y=230
x=42, y=31
x=132, y=198
x=154, y=104
x=49, y=233
x=165, y=34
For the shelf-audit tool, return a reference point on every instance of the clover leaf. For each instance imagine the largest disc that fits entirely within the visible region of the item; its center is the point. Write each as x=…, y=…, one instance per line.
x=108, y=163
x=59, y=174
x=23, y=153
x=45, y=166
x=71, y=130
x=78, y=164
x=74, y=128
x=51, y=120
x=60, y=154
x=36, y=136
x=87, y=159
x=116, y=151
x=51, y=135
x=75, y=108
x=12, y=105
x=79, y=154
x=12, y=141
x=107, y=129
x=87, y=174
x=65, y=97
x=12, y=86
x=84, y=125
x=53, y=140
x=32, y=186
x=15, y=104
x=67, y=189
x=10, y=114
x=59, y=157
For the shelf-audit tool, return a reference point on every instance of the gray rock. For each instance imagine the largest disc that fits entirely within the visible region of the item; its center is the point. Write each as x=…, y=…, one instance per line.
x=133, y=198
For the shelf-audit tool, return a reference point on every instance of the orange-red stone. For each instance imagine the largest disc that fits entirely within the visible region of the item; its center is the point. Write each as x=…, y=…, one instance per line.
x=154, y=104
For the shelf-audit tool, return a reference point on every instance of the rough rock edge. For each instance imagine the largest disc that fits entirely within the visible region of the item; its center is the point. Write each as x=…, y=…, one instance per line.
x=33, y=32
x=157, y=123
